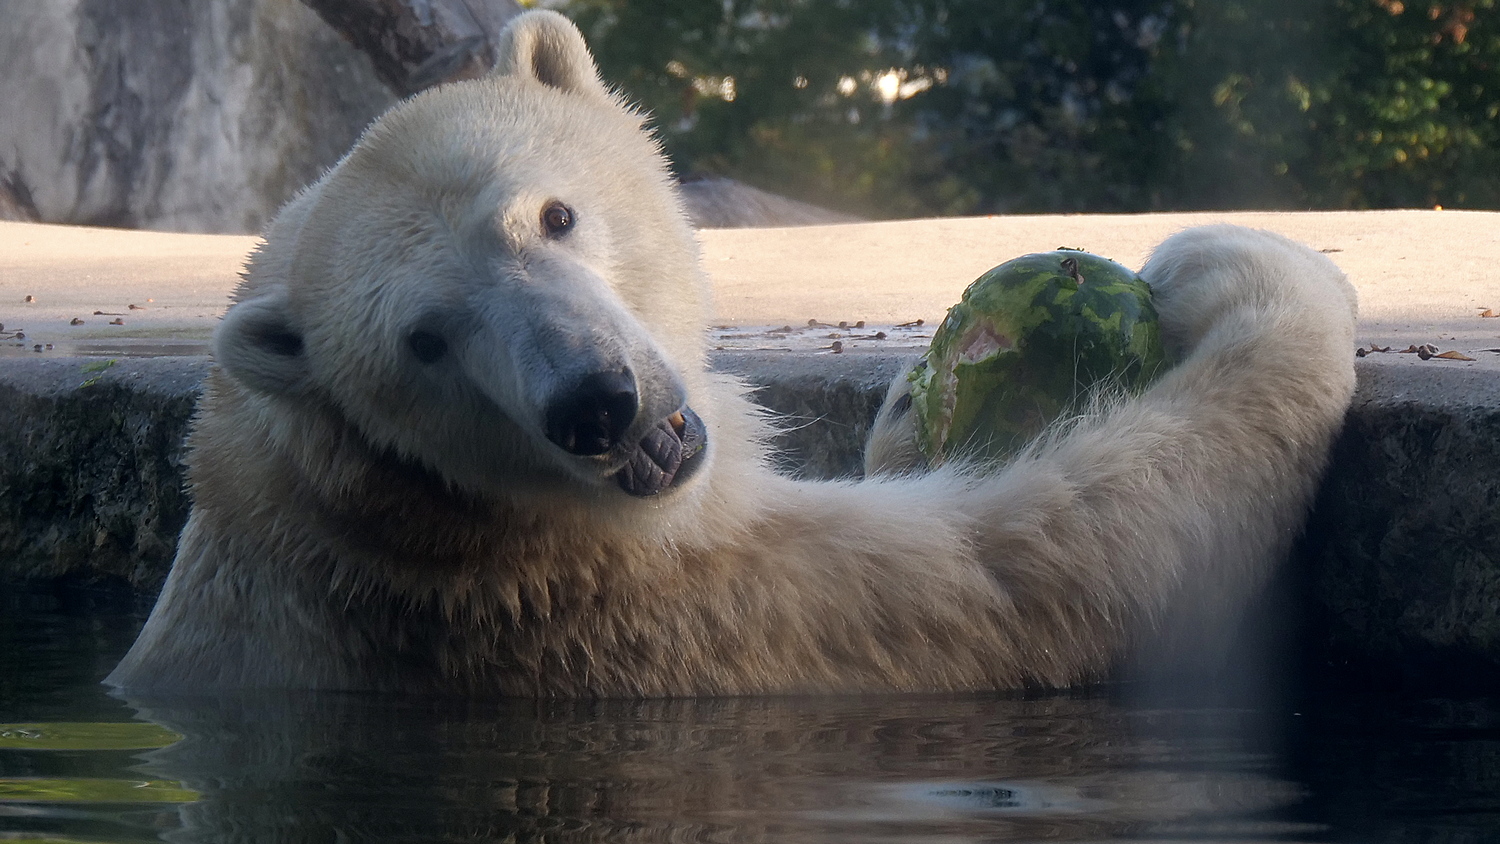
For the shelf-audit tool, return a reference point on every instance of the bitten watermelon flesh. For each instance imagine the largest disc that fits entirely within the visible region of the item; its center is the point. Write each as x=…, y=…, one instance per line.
x=1029, y=340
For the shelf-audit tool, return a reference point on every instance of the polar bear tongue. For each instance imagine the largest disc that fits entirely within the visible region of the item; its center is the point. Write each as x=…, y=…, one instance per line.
x=659, y=458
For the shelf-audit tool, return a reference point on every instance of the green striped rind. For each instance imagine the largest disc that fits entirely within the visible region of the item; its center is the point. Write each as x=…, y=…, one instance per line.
x=1026, y=342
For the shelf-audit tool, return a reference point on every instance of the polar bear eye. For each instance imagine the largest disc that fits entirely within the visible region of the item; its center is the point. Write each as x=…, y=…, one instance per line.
x=557, y=219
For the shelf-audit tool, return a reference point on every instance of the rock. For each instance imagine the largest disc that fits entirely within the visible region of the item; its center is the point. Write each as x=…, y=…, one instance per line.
x=717, y=203
x=415, y=44
x=92, y=480
x=193, y=115
x=15, y=199
x=1403, y=548
x=825, y=405
x=207, y=115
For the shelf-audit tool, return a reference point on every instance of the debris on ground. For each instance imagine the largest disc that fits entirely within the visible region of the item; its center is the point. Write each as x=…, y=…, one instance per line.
x=1426, y=351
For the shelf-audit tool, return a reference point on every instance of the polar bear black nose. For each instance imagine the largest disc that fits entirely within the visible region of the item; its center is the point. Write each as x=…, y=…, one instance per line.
x=591, y=418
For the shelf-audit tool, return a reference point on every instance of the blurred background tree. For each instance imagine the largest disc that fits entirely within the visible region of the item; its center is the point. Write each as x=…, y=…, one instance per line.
x=918, y=107
x=877, y=108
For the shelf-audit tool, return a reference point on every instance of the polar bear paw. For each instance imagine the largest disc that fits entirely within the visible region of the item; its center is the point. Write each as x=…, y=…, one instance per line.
x=1200, y=276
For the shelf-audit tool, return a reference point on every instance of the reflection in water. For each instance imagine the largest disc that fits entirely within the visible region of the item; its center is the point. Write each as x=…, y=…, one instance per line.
x=92, y=791
x=71, y=735
x=309, y=767
x=331, y=767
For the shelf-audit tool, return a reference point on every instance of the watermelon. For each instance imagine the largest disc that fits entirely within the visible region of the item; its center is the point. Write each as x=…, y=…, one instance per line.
x=1029, y=340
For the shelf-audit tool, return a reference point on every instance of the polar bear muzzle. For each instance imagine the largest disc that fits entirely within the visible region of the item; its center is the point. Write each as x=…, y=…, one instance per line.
x=593, y=418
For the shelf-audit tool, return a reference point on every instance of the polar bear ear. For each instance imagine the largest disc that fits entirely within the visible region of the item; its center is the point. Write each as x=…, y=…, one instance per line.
x=259, y=344
x=545, y=46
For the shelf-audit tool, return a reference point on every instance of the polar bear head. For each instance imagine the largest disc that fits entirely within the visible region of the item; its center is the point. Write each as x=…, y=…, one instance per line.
x=497, y=283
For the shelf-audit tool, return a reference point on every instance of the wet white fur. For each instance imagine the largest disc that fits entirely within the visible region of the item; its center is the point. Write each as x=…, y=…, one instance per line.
x=363, y=521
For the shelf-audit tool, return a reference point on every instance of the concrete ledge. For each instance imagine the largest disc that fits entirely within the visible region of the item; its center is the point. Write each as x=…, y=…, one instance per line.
x=826, y=404
x=1403, y=547
x=92, y=478
x=1401, y=554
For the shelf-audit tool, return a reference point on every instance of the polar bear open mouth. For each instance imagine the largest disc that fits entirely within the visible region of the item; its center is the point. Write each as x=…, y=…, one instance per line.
x=668, y=453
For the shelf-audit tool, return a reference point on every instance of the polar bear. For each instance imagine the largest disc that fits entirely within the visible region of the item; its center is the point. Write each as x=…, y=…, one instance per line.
x=460, y=439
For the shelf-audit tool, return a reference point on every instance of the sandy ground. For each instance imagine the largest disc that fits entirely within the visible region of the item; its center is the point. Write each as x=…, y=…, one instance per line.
x=68, y=285
x=1423, y=277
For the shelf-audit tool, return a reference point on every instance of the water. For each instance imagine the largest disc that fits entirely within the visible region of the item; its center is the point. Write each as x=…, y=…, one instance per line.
x=959, y=768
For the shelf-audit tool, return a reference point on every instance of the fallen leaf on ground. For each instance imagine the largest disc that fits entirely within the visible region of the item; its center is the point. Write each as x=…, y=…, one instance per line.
x=1453, y=356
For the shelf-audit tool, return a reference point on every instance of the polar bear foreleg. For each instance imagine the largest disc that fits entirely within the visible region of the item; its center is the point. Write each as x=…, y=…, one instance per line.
x=1089, y=542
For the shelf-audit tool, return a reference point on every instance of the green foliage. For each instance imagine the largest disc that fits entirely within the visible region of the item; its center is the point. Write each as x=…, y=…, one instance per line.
x=1338, y=104
x=96, y=367
x=1414, y=115
x=916, y=107
x=751, y=89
